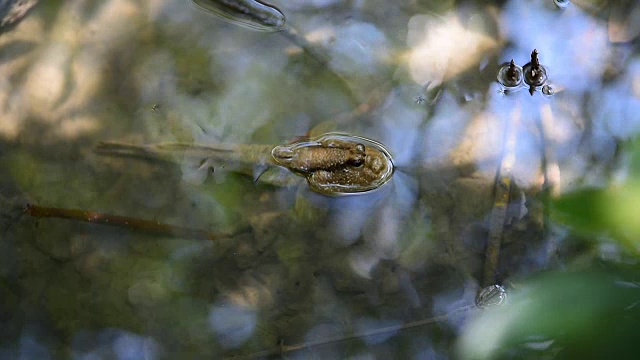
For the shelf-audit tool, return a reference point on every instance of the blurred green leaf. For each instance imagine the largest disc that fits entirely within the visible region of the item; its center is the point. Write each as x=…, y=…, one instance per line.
x=612, y=212
x=561, y=315
x=583, y=209
x=634, y=161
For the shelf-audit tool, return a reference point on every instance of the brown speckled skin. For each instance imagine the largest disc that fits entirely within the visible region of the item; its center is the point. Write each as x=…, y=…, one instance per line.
x=337, y=164
x=323, y=156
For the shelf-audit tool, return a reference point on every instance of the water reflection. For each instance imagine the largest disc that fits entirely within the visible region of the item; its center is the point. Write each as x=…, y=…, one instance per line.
x=115, y=343
x=232, y=324
x=442, y=47
x=296, y=268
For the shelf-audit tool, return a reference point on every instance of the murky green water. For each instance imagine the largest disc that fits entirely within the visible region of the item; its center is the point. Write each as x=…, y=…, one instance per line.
x=533, y=187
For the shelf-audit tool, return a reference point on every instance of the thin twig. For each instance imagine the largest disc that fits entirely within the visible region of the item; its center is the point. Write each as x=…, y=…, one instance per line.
x=150, y=226
x=285, y=349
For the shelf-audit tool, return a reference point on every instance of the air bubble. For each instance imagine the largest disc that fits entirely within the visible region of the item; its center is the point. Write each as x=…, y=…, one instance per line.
x=548, y=90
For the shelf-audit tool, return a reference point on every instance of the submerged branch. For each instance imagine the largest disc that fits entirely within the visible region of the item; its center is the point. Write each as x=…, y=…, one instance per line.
x=501, y=200
x=150, y=226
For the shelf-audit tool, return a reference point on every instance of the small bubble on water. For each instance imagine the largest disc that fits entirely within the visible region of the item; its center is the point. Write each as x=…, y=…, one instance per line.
x=548, y=90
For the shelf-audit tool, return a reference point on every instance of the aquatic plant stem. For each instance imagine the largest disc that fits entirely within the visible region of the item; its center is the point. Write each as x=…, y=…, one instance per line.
x=551, y=169
x=289, y=348
x=150, y=226
x=551, y=174
x=501, y=199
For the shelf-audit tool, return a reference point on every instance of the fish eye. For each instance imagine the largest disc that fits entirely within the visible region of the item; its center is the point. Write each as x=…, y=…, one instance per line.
x=358, y=162
x=360, y=148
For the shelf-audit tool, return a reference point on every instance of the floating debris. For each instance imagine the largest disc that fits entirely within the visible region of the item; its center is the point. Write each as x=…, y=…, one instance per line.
x=251, y=14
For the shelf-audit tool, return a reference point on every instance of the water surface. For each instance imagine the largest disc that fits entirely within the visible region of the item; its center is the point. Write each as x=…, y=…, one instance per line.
x=288, y=267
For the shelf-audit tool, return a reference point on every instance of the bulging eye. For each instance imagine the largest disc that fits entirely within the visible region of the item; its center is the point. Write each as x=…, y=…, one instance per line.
x=358, y=162
x=377, y=165
x=282, y=153
x=360, y=148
